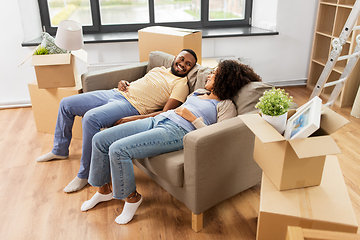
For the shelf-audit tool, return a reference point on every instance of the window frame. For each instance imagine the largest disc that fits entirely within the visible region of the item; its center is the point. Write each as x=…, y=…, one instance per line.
x=98, y=28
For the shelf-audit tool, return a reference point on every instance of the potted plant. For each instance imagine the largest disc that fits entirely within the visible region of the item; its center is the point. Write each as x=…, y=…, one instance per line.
x=274, y=106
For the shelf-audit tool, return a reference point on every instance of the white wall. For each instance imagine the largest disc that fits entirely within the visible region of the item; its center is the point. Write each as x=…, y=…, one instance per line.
x=280, y=58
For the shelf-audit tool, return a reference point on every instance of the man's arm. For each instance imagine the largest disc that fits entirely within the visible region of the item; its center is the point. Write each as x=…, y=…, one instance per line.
x=170, y=104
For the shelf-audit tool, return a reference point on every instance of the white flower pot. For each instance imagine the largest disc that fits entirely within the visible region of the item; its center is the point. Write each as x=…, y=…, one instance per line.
x=278, y=122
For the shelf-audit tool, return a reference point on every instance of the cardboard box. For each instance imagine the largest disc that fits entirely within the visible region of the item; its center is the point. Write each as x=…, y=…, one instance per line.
x=324, y=207
x=294, y=163
x=57, y=70
x=170, y=40
x=45, y=105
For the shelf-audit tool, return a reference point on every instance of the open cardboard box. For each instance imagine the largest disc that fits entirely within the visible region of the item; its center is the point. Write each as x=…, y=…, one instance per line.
x=170, y=40
x=56, y=70
x=294, y=163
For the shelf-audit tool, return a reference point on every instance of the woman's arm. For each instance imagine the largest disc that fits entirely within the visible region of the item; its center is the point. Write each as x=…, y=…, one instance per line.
x=226, y=109
x=188, y=115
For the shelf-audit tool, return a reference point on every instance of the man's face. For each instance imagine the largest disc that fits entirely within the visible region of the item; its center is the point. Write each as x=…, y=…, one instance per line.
x=182, y=64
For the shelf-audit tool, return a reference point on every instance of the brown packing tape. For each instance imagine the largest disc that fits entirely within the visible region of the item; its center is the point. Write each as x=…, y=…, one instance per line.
x=305, y=203
x=300, y=184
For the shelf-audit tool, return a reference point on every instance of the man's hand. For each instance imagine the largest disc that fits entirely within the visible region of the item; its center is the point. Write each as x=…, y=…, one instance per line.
x=123, y=86
x=127, y=119
x=185, y=113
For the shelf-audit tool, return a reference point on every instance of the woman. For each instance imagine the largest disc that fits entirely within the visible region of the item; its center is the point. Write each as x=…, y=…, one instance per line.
x=114, y=148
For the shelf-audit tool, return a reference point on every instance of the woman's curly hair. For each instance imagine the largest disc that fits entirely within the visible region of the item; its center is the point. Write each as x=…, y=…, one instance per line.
x=230, y=77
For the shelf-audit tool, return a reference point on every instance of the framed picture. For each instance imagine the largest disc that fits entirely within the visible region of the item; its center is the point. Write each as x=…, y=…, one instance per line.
x=305, y=121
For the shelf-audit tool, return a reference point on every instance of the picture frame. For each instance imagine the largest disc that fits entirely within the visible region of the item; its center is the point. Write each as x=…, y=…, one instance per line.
x=305, y=121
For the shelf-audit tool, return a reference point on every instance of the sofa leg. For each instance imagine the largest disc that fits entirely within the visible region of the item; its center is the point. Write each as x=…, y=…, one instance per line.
x=197, y=222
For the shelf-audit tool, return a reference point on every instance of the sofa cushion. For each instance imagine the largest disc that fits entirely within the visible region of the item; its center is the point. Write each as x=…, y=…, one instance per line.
x=168, y=166
x=248, y=96
x=159, y=59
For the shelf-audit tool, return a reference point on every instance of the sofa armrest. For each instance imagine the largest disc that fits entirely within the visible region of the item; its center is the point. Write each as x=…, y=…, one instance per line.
x=109, y=78
x=218, y=162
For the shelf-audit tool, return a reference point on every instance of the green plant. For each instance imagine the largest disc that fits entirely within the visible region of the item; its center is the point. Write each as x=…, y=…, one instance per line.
x=41, y=51
x=274, y=102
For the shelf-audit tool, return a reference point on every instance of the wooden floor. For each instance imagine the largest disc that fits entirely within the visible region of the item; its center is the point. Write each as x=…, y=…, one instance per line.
x=33, y=205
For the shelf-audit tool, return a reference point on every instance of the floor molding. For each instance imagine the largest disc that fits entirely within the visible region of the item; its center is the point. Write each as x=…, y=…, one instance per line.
x=288, y=83
x=15, y=104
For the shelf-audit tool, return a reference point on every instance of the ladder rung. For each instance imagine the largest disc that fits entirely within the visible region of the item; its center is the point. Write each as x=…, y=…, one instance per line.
x=334, y=82
x=328, y=104
x=356, y=28
x=348, y=56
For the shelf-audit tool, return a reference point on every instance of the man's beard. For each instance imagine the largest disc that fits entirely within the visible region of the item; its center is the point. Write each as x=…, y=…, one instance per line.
x=173, y=71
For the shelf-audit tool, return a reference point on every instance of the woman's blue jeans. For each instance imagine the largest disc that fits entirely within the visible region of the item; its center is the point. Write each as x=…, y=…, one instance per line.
x=114, y=148
x=99, y=109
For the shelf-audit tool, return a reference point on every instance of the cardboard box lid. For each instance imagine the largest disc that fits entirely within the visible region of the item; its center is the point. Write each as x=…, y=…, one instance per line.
x=169, y=30
x=329, y=202
x=56, y=59
x=331, y=121
x=264, y=131
x=314, y=146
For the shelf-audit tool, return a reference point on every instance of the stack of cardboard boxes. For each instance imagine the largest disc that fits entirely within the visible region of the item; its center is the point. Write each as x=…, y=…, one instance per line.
x=296, y=188
x=56, y=78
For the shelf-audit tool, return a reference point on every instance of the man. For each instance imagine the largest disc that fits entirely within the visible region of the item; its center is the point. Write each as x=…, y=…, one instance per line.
x=160, y=88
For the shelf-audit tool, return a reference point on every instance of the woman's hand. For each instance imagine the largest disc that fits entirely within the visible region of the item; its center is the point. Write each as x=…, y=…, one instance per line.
x=123, y=86
x=185, y=113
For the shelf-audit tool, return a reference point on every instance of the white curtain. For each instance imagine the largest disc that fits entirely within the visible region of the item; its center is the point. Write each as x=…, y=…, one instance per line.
x=30, y=19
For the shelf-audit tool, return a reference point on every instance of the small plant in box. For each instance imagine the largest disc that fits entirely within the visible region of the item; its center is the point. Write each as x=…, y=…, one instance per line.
x=41, y=51
x=274, y=105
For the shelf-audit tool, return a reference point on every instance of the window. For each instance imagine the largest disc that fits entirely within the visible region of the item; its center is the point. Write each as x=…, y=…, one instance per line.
x=102, y=16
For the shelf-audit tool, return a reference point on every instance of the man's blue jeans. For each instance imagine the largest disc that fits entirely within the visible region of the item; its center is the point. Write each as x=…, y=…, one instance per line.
x=99, y=109
x=114, y=148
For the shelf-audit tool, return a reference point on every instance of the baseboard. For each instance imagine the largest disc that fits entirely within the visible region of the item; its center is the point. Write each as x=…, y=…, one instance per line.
x=288, y=83
x=15, y=104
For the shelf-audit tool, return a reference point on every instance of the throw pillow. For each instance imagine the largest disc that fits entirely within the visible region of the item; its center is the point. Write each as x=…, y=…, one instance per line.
x=248, y=96
x=48, y=42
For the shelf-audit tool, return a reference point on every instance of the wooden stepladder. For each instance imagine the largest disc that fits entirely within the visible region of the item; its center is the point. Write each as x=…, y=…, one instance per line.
x=334, y=57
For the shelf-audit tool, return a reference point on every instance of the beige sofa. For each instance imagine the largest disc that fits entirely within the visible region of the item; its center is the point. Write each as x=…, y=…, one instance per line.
x=216, y=162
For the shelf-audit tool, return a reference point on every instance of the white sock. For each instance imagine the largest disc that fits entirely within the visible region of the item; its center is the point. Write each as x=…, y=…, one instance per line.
x=49, y=156
x=97, y=198
x=128, y=212
x=75, y=185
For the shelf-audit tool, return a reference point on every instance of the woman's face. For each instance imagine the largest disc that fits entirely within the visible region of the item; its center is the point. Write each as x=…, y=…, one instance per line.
x=209, y=85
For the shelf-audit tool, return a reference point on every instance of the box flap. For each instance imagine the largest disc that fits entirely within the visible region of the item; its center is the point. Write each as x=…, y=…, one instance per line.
x=26, y=58
x=314, y=146
x=168, y=30
x=263, y=130
x=331, y=121
x=51, y=59
x=80, y=54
